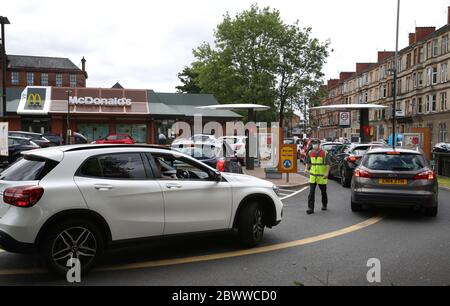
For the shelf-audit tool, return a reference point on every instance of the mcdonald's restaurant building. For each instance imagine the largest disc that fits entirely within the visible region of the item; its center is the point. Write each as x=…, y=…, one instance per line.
x=98, y=112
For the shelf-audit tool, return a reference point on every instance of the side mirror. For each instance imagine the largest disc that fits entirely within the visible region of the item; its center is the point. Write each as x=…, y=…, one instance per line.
x=217, y=176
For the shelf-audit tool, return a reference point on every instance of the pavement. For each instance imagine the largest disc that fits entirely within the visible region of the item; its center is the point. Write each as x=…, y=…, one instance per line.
x=327, y=248
x=296, y=180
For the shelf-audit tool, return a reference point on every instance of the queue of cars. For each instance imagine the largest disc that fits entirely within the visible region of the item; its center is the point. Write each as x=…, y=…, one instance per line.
x=382, y=176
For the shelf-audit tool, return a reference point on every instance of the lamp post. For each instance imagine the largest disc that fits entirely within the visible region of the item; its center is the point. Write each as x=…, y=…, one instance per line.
x=3, y=21
x=395, y=68
x=68, y=131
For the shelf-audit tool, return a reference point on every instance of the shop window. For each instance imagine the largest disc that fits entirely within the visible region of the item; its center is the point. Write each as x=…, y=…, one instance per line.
x=137, y=131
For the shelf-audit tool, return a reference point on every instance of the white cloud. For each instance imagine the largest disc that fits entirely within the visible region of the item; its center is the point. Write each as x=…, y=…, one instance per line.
x=144, y=44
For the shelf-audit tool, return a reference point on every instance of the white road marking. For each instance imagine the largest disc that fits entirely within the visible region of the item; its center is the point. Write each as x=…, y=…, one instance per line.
x=294, y=194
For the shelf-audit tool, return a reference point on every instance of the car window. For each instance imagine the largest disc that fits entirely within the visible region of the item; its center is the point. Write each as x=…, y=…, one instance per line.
x=174, y=168
x=28, y=169
x=10, y=142
x=122, y=166
x=112, y=137
x=91, y=168
x=400, y=162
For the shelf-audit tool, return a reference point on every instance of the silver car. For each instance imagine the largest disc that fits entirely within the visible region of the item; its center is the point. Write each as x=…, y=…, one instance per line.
x=395, y=178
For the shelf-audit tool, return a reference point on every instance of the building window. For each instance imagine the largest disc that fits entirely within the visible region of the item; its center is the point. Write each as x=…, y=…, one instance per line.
x=432, y=74
x=444, y=73
x=419, y=105
x=421, y=55
x=444, y=44
x=435, y=47
x=73, y=80
x=44, y=79
x=30, y=78
x=443, y=101
x=443, y=132
x=420, y=78
x=428, y=104
x=15, y=78
x=59, y=80
x=429, y=50
x=433, y=103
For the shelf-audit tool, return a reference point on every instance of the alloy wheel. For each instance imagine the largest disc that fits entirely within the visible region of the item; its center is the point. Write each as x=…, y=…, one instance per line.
x=258, y=225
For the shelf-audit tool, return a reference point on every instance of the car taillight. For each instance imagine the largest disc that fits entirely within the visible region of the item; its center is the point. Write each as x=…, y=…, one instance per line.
x=23, y=196
x=352, y=159
x=427, y=175
x=362, y=173
x=221, y=165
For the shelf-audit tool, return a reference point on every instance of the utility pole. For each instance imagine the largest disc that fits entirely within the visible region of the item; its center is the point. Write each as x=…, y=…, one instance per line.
x=3, y=21
x=395, y=68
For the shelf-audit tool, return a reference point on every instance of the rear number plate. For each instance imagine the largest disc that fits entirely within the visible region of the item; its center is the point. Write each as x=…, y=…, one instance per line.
x=393, y=182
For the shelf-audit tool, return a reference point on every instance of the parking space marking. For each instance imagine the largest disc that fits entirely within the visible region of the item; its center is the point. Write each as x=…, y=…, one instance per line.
x=218, y=256
x=294, y=194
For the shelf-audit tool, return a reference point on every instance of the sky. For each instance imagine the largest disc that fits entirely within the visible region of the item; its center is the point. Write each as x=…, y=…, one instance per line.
x=145, y=43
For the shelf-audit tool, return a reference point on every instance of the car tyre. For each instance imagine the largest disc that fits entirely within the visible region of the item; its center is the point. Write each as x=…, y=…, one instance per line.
x=251, y=225
x=72, y=239
x=431, y=212
x=356, y=207
x=345, y=181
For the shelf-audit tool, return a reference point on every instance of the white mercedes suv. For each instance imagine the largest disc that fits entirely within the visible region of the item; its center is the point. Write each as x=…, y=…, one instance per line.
x=73, y=202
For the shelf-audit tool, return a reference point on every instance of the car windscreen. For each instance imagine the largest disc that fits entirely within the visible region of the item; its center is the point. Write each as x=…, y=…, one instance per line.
x=394, y=162
x=200, y=151
x=330, y=147
x=28, y=169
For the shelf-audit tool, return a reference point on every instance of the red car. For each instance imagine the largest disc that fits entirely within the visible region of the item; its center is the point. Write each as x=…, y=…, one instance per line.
x=116, y=139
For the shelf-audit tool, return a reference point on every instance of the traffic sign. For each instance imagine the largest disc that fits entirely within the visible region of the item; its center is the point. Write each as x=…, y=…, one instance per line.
x=288, y=159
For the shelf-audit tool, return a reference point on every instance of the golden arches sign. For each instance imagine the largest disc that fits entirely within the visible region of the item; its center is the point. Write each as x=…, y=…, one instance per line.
x=34, y=100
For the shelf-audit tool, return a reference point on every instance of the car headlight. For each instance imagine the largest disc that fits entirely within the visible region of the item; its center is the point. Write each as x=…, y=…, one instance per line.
x=276, y=190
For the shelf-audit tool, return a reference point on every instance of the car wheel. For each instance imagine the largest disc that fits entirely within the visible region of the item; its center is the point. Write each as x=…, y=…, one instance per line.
x=345, y=182
x=251, y=224
x=75, y=239
x=356, y=207
x=431, y=212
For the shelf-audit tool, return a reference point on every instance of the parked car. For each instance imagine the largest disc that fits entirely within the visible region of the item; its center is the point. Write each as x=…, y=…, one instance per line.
x=116, y=139
x=115, y=194
x=17, y=145
x=203, y=138
x=331, y=147
x=442, y=148
x=237, y=143
x=344, y=161
x=37, y=138
x=218, y=155
x=55, y=139
x=395, y=178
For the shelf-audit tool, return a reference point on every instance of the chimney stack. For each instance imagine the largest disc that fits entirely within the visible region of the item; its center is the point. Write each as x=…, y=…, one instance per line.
x=422, y=32
x=83, y=64
x=448, y=16
x=412, y=38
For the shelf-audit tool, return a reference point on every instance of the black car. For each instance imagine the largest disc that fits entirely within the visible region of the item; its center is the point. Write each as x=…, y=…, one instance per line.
x=55, y=139
x=17, y=145
x=344, y=161
x=37, y=138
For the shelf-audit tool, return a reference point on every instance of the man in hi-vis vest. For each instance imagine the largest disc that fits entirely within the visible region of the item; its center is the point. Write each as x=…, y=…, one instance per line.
x=317, y=164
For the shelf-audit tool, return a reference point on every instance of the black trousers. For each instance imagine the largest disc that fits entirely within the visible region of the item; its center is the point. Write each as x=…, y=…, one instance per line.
x=312, y=195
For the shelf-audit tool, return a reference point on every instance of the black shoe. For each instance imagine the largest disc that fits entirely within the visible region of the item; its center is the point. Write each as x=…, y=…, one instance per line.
x=324, y=209
x=309, y=211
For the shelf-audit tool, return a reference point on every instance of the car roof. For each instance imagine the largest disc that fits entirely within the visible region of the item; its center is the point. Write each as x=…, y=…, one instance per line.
x=390, y=149
x=19, y=138
x=26, y=133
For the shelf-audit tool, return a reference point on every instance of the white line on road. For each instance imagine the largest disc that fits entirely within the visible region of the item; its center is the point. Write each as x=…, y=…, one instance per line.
x=294, y=194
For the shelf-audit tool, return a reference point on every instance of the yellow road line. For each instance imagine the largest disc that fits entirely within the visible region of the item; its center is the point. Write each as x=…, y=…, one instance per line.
x=194, y=259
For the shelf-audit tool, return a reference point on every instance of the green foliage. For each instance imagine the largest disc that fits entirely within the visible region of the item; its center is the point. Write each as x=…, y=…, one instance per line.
x=188, y=78
x=257, y=58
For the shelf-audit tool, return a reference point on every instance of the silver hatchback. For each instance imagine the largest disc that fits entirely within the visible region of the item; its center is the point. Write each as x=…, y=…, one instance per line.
x=395, y=178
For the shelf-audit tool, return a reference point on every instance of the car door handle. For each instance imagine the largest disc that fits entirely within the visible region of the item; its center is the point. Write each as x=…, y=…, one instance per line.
x=103, y=187
x=171, y=186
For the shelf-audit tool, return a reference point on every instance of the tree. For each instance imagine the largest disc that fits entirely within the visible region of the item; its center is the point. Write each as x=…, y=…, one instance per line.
x=257, y=58
x=188, y=78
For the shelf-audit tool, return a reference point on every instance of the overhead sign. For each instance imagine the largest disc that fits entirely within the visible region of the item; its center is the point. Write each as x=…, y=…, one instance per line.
x=35, y=100
x=344, y=119
x=288, y=159
x=100, y=101
x=4, y=139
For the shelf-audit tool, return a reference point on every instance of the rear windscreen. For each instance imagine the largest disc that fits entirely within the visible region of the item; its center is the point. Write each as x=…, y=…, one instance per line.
x=401, y=162
x=28, y=169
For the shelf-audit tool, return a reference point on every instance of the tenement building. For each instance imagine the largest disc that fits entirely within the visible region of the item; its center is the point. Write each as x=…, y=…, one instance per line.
x=422, y=90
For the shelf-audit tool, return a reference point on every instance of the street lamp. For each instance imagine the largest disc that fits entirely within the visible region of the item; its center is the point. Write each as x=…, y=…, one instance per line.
x=68, y=131
x=395, y=68
x=3, y=21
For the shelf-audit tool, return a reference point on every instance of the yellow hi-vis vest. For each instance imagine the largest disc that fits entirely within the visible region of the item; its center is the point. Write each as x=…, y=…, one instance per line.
x=318, y=168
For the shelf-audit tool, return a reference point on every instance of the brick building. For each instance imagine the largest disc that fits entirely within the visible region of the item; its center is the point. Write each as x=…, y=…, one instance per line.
x=423, y=87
